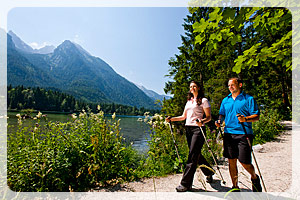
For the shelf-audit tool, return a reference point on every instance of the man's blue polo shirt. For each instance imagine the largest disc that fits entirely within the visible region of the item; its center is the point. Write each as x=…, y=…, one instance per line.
x=243, y=104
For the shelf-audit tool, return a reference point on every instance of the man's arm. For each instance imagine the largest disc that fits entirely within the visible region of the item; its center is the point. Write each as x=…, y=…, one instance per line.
x=220, y=121
x=251, y=118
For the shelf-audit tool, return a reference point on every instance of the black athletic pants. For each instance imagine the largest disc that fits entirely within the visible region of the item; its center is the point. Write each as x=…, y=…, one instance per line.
x=195, y=142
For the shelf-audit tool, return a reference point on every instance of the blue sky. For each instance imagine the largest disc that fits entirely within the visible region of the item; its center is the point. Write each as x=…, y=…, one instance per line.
x=136, y=42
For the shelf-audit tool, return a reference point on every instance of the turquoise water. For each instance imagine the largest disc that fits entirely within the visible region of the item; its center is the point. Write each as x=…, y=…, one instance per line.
x=131, y=129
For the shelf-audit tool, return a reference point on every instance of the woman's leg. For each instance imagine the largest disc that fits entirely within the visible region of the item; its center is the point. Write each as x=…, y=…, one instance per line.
x=196, y=143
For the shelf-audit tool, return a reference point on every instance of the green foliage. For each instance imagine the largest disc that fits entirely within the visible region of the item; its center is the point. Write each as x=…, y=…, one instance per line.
x=162, y=158
x=268, y=126
x=72, y=156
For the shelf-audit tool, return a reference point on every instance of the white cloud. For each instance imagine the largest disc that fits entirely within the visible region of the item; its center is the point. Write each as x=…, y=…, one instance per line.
x=36, y=45
x=77, y=40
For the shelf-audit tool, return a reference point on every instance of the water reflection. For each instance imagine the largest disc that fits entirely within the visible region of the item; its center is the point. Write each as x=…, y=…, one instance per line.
x=132, y=130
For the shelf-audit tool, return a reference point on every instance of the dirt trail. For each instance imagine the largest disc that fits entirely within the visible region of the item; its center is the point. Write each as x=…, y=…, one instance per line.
x=274, y=160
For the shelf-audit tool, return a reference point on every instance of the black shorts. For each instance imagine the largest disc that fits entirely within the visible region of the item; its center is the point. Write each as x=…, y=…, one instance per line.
x=237, y=146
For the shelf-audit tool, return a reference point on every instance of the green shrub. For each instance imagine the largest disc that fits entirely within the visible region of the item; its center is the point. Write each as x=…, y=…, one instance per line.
x=267, y=127
x=162, y=158
x=73, y=156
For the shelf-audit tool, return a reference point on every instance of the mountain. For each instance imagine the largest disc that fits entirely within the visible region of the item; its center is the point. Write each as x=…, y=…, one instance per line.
x=72, y=70
x=45, y=50
x=20, y=45
x=153, y=95
x=20, y=71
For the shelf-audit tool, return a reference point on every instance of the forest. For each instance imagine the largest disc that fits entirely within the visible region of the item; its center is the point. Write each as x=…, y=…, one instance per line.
x=40, y=99
x=254, y=44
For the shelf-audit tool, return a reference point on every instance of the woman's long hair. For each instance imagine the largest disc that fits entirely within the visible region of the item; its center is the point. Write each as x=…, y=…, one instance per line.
x=200, y=93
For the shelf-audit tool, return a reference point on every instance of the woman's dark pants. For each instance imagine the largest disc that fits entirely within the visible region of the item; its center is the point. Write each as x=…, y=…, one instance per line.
x=195, y=142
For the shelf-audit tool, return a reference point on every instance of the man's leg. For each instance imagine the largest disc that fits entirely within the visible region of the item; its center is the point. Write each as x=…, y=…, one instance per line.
x=256, y=186
x=245, y=160
x=250, y=169
x=233, y=170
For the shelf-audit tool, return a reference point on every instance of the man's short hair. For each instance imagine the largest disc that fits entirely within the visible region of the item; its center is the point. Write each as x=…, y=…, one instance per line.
x=237, y=79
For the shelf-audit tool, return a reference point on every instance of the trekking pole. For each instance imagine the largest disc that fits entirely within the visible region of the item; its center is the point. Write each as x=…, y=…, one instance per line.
x=252, y=153
x=224, y=182
x=171, y=129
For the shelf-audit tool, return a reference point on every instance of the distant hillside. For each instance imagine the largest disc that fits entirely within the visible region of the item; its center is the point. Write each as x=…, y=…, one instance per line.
x=153, y=95
x=74, y=71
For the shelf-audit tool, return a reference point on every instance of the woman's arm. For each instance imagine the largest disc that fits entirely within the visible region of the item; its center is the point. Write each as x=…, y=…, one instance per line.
x=207, y=112
x=178, y=118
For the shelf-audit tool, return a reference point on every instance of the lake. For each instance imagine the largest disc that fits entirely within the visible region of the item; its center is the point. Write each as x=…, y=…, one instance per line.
x=131, y=129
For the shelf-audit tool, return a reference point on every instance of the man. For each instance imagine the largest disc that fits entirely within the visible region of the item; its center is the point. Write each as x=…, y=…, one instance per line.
x=239, y=107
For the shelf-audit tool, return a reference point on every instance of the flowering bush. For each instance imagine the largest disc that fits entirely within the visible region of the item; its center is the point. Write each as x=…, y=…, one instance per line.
x=73, y=156
x=162, y=157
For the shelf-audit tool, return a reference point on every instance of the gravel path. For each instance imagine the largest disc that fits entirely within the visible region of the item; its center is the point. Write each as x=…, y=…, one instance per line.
x=274, y=160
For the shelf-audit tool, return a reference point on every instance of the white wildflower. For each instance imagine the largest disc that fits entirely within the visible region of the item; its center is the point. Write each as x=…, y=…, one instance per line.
x=39, y=115
x=20, y=122
x=146, y=113
x=161, y=118
x=140, y=120
x=98, y=107
x=19, y=116
x=113, y=116
x=74, y=116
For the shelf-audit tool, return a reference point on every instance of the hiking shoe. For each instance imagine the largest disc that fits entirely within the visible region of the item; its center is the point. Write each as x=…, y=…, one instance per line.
x=209, y=179
x=235, y=189
x=181, y=188
x=256, y=187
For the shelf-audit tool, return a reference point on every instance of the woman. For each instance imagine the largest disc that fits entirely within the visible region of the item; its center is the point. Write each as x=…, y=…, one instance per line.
x=195, y=108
